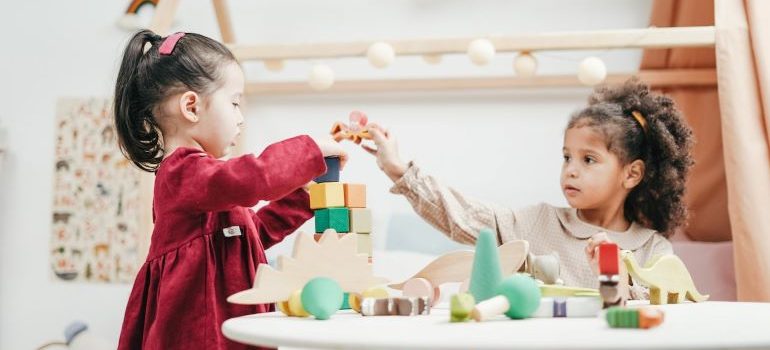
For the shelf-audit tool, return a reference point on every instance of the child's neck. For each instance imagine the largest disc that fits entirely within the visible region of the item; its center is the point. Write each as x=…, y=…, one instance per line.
x=610, y=219
x=172, y=144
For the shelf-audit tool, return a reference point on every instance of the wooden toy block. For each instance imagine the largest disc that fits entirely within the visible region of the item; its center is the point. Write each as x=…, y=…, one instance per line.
x=398, y=306
x=332, y=171
x=517, y=297
x=355, y=195
x=332, y=218
x=327, y=195
x=364, y=244
x=644, y=318
x=569, y=307
x=332, y=257
x=360, y=220
x=554, y=290
x=295, y=304
x=460, y=307
x=667, y=277
x=608, y=259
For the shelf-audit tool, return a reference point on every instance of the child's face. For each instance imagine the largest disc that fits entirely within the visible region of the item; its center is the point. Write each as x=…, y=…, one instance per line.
x=221, y=117
x=591, y=177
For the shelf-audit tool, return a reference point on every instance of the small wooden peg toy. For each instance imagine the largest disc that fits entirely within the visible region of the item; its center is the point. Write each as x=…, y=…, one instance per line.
x=397, y=306
x=644, y=318
x=612, y=284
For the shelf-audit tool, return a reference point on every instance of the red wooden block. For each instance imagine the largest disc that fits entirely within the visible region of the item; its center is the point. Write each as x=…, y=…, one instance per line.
x=608, y=259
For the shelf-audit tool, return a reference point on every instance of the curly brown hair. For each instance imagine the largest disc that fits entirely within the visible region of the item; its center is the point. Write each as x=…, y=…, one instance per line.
x=664, y=147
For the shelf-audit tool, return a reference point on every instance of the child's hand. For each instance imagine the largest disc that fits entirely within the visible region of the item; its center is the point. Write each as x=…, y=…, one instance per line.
x=330, y=148
x=592, y=249
x=386, y=152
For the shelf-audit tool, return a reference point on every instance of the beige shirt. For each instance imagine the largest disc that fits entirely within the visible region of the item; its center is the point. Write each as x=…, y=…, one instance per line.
x=547, y=228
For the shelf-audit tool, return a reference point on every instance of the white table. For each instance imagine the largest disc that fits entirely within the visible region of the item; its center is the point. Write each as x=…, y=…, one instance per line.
x=705, y=325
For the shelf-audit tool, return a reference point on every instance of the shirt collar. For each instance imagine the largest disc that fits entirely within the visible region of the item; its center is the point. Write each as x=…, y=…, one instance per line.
x=632, y=239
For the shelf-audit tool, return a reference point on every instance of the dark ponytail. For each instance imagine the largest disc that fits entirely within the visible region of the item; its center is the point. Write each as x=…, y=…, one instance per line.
x=658, y=201
x=146, y=79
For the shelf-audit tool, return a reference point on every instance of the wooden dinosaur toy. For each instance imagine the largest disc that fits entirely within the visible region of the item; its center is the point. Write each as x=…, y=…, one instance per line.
x=667, y=277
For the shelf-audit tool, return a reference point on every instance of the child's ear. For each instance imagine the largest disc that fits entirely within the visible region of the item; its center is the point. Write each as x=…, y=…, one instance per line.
x=634, y=174
x=189, y=104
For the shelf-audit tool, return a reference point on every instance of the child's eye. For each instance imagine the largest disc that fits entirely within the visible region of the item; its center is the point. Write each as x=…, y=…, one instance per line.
x=590, y=160
x=236, y=104
x=566, y=158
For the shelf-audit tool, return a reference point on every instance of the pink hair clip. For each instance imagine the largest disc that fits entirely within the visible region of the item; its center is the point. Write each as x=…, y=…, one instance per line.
x=167, y=47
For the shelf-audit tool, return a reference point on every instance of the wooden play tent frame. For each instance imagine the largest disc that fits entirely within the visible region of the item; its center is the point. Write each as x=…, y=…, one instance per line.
x=643, y=38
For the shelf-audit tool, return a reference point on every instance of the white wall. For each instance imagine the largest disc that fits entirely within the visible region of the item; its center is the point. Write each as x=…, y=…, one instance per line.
x=500, y=146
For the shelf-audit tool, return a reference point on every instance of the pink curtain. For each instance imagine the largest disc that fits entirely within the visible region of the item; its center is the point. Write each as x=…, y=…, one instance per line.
x=743, y=69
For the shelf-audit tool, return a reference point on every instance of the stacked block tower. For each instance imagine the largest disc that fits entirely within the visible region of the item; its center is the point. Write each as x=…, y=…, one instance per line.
x=341, y=206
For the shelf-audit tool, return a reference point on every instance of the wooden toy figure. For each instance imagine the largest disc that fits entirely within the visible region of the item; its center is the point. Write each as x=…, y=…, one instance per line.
x=355, y=131
x=667, y=277
x=610, y=279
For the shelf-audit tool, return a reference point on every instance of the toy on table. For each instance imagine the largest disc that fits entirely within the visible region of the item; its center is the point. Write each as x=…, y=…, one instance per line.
x=321, y=297
x=613, y=285
x=667, y=277
x=460, y=307
x=456, y=267
x=544, y=268
x=555, y=290
x=644, y=318
x=517, y=297
x=487, y=273
x=354, y=299
x=395, y=306
x=355, y=131
x=333, y=257
x=569, y=307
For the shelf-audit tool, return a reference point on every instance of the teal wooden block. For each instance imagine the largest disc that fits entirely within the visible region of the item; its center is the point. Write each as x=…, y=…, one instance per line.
x=336, y=218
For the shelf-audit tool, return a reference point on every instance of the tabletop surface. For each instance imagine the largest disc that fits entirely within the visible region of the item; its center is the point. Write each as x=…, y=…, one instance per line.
x=688, y=325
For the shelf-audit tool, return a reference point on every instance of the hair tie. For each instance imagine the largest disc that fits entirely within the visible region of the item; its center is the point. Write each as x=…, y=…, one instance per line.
x=641, y=120
x=168, y=45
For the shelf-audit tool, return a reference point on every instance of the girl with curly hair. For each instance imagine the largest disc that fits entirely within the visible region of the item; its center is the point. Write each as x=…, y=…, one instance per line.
x=626, y=157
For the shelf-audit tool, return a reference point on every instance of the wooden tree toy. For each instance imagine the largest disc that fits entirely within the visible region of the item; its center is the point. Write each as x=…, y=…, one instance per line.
x=456, y=267
x=486, y=273
x=612, y=286
x=517, y=297
x=667, y=277
x=644, y=318
x=332, y=256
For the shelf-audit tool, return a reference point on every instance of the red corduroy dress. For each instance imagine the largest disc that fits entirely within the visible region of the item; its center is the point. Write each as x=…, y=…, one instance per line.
x=179, y=296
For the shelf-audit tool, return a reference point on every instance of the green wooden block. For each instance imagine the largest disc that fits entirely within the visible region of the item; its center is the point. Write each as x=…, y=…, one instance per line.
x=336, y=218
x=345, y=303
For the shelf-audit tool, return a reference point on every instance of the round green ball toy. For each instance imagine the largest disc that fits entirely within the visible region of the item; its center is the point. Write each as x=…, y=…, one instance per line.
x=523, y=294
x=321, y=297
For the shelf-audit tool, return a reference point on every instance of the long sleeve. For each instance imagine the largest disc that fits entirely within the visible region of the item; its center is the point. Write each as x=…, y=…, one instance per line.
x=203, y=184
x=282, y=217
x=449, y=211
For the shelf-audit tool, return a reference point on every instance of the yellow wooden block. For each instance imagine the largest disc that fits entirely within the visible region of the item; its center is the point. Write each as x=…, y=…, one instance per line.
x=295, y=305
x=327, y=195
x=360, y=220
x=283, y=306
x=354, y=299
x=364, y=243
x=355, y=196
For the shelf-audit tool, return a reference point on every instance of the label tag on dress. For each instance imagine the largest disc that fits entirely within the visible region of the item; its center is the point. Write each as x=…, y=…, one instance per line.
x=232, y=231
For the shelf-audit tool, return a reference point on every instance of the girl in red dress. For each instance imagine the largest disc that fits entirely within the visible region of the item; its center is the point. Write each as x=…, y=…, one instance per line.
x=177, y=113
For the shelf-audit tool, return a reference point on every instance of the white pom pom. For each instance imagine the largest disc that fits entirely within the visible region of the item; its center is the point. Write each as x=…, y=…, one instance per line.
x=321, y=77
x=481, y=51
x=380, y=54
x=432, y=58
x=592, y=71
x=273, y=65
x=525, y=65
